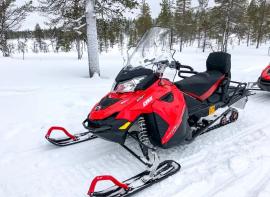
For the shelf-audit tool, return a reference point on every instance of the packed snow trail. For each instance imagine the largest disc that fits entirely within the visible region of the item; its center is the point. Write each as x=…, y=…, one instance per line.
x=50, y=89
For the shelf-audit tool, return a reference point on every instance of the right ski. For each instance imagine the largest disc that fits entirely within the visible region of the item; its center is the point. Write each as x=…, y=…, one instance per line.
x=70, y=139
x=137, y=183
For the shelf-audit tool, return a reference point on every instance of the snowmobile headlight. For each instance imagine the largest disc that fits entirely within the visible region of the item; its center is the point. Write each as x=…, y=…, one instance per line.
x=128, y=86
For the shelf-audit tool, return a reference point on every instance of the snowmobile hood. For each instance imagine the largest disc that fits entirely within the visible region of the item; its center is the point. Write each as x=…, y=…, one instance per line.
x=266, y=73
x=129, y=105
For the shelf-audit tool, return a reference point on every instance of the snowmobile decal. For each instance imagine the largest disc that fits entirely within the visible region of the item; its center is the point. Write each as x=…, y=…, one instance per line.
x=147, y=101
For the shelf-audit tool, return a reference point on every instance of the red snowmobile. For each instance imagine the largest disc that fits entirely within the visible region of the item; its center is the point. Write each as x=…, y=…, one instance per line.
x=158, y=113
x=263, y=83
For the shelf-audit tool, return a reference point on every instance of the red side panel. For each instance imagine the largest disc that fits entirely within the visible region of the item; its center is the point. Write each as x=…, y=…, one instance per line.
x=209, y=92
x=265, y=74
x=171, y=112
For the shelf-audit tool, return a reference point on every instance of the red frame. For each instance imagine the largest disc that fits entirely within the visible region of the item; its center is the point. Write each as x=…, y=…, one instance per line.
x=105, y=178
x=134, y=104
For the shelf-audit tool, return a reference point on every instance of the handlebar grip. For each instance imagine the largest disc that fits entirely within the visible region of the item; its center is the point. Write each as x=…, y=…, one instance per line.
x=187, y=67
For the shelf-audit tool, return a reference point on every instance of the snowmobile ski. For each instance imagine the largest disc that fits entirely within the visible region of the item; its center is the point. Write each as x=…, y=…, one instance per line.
x=70, y=139
x=137, y=183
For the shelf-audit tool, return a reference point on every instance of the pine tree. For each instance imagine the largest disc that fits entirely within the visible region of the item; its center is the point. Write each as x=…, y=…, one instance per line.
x=251, y=20
x=38, y=35
x=65, y=15
x=182, y=19
x=144, y=21
x=229, y=13
x=165, y=18
x=263, y=20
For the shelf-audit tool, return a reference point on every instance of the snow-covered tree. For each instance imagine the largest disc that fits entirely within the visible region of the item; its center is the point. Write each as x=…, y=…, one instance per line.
x=87, y=14
x=68, y=16
x=11, y=17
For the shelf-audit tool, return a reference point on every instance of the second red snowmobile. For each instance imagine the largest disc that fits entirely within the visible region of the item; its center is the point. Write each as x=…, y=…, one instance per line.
x=263, y=83
x=158, y=113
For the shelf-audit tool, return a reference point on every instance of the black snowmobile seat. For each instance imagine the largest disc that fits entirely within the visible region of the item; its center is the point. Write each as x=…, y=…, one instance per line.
x=203, y=85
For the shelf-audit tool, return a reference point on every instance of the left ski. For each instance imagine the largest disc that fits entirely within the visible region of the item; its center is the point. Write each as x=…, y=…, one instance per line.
x=70, y=139
x=137, y=183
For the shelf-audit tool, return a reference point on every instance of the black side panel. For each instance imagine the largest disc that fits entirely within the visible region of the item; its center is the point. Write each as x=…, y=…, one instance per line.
x=157, y=128
x=106, y=102
x=196, y=107
x=181, y=134
x=167, y=97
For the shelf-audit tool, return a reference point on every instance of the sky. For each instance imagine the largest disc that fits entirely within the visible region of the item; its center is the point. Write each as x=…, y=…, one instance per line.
x=35, y=17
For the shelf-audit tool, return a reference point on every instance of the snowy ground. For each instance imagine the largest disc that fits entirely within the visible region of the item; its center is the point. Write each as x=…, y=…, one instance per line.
x=53, y=89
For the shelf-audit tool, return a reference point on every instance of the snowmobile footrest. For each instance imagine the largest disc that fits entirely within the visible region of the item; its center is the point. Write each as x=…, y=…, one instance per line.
x=137, y=183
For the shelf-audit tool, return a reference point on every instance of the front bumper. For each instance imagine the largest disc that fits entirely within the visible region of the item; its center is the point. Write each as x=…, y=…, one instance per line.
x=107, y=130
x=264, y=85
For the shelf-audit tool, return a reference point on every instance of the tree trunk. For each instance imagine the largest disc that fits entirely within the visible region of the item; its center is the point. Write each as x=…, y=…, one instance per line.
x=248, y=36
x=78, y=48
x=181, y=44
x=92, y=41
x=5, y=49
x=204, y=41
x=199, y=39
x=259, y=37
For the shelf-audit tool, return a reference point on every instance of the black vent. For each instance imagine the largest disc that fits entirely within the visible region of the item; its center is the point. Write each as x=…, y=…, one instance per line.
x=167, y=97
x=106, y=102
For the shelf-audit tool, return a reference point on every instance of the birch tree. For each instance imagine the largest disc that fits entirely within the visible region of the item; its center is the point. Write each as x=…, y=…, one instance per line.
x=92, y=39
x=104, y=9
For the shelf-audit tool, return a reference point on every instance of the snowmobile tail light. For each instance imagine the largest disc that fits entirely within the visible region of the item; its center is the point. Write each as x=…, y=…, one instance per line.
x=128, y=86
x=125, y=126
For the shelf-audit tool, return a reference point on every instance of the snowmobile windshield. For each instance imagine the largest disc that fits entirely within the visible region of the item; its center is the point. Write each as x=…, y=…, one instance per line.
x=155, y=46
